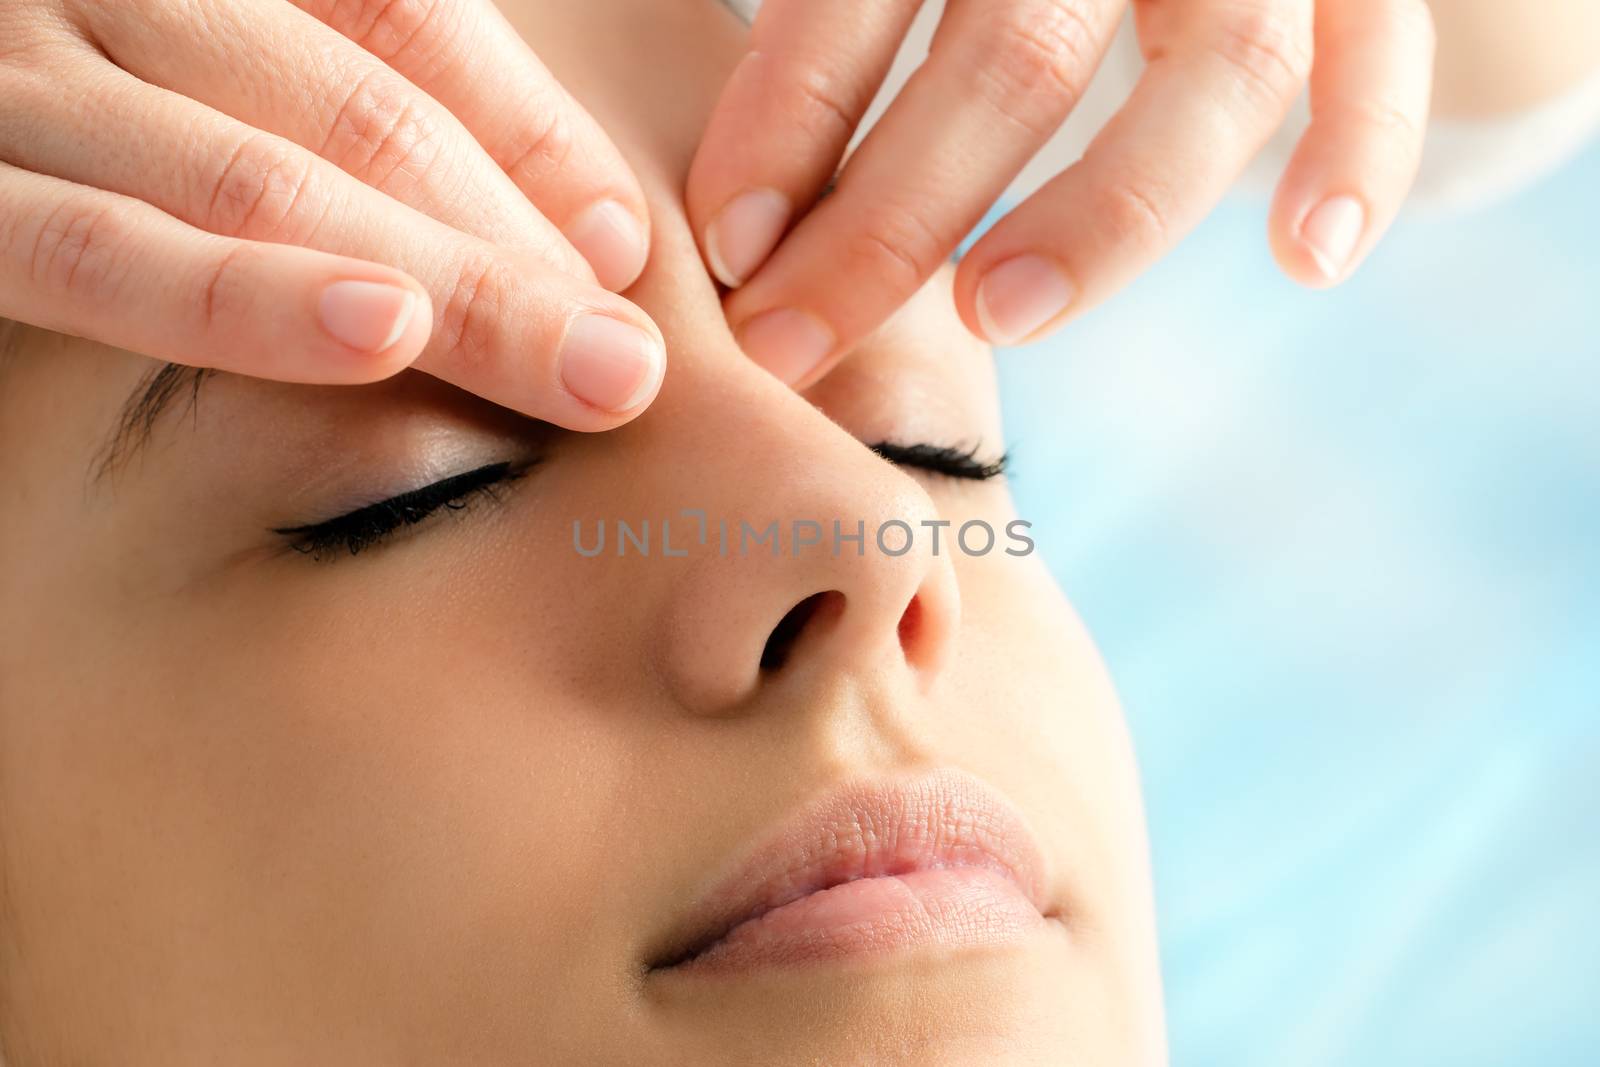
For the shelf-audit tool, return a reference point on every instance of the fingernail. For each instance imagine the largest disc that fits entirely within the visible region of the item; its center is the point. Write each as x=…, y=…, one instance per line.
x=608, y=363
x=740, y=238
x=1331, y=233
x=367, y=316
x=1019, y=296
x=612, y=240
x=787, y=342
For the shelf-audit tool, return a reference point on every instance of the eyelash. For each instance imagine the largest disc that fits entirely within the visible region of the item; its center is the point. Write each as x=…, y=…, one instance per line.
x=372, y=525
x=943, y=459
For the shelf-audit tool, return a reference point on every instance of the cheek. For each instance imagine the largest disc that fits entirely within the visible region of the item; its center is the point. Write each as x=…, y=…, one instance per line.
x=418, y=809
x=1030, y=705
x=431, y=764
x=1033, y=695
x=1035, y=682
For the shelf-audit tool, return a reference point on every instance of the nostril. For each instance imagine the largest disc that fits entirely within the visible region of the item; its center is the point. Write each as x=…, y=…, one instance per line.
x=781, y=641
x=911, y=622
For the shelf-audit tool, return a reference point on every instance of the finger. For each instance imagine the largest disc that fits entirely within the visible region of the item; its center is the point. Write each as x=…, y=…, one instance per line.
x=1370, y=89
x=468, y=57
x=784, y=120
x=322, y=92
x=116, y=270
x=506, y=326
x=997, y=82
x=1220, y=78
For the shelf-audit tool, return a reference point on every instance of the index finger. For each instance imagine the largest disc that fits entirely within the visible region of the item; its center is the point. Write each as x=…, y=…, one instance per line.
x=465, y=55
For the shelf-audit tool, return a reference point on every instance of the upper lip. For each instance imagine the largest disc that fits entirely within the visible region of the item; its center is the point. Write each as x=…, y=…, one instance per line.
x=868, y=830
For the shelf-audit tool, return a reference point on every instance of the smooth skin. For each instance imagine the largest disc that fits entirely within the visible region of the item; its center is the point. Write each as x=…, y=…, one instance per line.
x=999, y=78
x=321, y=192
x=445, y=801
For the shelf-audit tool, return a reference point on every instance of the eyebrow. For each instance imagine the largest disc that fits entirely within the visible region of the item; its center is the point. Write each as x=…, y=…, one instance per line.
x=157, y=392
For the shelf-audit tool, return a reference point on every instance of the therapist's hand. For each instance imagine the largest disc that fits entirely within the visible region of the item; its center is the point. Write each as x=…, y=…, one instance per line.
x=1001, y=76
x=321, y=191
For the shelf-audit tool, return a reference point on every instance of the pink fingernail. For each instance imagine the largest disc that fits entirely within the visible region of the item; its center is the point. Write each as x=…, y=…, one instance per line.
x=609, y=363
x=611, y=239
x=741, y=237
x=1331, y=233
x=1020, y=295
x=367, y=316
x=788, y=342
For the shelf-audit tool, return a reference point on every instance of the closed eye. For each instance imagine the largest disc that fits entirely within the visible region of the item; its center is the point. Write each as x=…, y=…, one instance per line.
x=952, y=462
x=371, y=525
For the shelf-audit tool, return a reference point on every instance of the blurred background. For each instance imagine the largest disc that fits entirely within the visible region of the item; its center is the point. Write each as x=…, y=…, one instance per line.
x=1342, y=553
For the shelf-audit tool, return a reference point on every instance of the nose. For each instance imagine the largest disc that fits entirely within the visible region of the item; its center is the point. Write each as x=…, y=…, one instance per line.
x=812, y=556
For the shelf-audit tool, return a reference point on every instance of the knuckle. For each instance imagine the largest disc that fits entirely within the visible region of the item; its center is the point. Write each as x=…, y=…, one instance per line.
x=1032, y=65
x=225, y=289
x=816, y=105
x=259, y=192
x=545, y=148
x=80, y=248
x=1386, y=120
x=1267, y=48
x=1134, y=211
x=897, y=248
x=381, y=132
x=471, y=324
x=410, y=33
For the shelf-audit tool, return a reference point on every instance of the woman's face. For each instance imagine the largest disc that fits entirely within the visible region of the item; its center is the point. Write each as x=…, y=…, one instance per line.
x=473, y=796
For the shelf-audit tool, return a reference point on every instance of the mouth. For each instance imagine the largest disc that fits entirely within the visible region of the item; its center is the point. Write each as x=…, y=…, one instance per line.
x=873, y=868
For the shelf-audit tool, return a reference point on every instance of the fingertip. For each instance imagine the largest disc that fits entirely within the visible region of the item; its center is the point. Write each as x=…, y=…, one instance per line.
x=409, y=344
x=611, y=366
x=1019, y=298
x=379, y=326
x=1320, y=246
x=1331, y=233
x=613, y=240
x=744, y=233
x=791, y=344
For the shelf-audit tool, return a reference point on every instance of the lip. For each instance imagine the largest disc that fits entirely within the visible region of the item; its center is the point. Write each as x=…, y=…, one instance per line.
x=874, y=867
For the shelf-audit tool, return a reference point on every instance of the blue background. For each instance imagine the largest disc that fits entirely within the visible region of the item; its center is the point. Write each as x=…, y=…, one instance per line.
x=1342, y=553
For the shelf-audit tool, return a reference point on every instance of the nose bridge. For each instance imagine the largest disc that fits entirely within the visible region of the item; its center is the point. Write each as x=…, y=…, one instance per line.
x=793, y=535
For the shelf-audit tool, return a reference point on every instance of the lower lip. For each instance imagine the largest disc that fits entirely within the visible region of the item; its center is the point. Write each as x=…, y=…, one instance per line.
x=959, y=906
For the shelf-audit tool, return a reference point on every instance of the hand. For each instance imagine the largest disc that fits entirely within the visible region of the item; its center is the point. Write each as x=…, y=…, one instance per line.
x=999, y=79
x=319, y=192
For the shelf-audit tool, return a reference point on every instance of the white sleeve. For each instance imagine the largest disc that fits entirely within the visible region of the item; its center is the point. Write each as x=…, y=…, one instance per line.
x=1465, y=163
